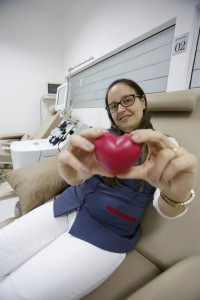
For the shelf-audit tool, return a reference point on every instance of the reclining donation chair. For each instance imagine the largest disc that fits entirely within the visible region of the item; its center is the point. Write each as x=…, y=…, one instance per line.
x=165, y=263
x=43, y=132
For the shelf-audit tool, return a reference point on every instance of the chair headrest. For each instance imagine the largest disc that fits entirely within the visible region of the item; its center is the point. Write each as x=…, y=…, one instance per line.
x=179, y=101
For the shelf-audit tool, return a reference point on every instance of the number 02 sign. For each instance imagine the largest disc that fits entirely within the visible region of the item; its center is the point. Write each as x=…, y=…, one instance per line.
x=180, y=43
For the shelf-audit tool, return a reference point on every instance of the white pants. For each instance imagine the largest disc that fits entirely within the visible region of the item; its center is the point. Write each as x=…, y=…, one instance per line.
x=40, y=260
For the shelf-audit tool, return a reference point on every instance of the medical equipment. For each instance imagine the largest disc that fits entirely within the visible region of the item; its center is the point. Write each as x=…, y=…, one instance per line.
x=53, y=119
x=32, y=151
x=63, y=99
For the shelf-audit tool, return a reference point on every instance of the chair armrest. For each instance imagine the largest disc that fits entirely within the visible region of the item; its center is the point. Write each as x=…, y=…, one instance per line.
x=180, y=282
x=6, y=143
x=12, y=136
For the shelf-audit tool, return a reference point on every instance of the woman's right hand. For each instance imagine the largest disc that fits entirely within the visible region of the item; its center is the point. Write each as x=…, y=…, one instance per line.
x=78, y=162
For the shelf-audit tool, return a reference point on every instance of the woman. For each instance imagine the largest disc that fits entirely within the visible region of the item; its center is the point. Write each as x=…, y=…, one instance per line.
x=66, y=251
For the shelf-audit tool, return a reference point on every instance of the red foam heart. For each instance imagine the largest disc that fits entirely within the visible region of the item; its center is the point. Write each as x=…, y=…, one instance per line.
x=116, y=154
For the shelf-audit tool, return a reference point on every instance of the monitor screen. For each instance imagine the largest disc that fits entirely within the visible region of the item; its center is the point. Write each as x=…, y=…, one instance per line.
x=52, y=88
x=62, y=99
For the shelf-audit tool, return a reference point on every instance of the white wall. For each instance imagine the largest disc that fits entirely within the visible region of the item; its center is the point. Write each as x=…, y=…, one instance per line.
x=99, y=27
x=38, y=45
x=31, y=54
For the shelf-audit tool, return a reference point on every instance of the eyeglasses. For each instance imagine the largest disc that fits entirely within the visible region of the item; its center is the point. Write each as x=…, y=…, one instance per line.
x=126, y=101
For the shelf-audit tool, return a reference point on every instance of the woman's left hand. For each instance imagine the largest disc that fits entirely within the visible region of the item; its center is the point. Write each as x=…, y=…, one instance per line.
x=170, y=168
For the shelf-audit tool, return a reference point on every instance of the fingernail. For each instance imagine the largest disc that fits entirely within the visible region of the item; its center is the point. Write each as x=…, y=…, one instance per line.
x=85, y=170
x=136, y=136
x=90, y=146
x=101, y=130
x=97, y=130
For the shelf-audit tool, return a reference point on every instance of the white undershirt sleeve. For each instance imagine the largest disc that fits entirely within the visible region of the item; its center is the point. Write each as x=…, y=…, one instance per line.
x=157, y=194
x=155, y=204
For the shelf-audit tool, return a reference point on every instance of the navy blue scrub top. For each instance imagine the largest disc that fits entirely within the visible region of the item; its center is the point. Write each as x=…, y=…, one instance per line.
x=108, y=218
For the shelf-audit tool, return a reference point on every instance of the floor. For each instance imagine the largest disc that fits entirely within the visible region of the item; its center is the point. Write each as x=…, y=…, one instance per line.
x=7, y=207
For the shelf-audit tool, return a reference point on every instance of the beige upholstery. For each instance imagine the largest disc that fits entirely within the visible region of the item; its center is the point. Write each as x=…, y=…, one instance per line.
x=5, y=156
x=43, y=132
x=168, y=251
x=173, y=101
x=51, y=122
x=166, y=261
x=6, y=191
x=34, y=183
x=180, y=282
x=12, y=136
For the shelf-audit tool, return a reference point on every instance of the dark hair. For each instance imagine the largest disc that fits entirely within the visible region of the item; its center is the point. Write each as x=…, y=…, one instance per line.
x=144, y=124
x=146, y=119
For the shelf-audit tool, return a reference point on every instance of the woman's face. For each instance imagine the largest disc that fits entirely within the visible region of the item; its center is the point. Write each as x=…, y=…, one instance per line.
x=126, y=118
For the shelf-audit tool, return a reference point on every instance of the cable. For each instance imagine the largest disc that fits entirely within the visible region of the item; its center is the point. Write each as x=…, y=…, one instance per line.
x=40, y=155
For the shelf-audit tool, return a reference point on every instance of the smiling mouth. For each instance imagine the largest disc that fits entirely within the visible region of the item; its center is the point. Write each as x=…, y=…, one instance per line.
x=124, y=118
